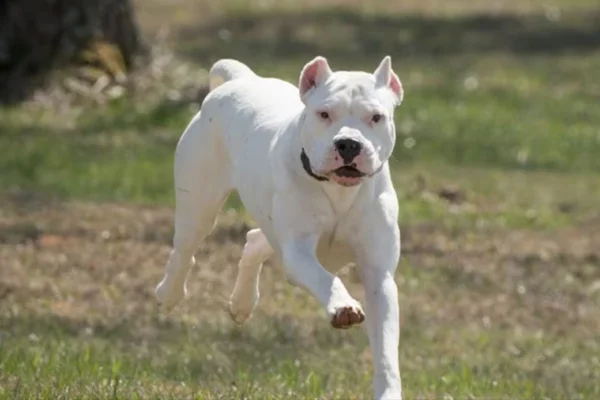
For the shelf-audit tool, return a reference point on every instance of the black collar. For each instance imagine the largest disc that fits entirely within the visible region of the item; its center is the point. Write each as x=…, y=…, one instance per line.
x=308, y=169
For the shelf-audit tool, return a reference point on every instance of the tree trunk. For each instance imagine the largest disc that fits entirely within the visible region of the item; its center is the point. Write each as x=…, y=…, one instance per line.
x=37, y=36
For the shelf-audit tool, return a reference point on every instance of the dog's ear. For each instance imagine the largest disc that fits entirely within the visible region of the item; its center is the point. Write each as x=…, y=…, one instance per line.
x=385, y=76
x=313, y=74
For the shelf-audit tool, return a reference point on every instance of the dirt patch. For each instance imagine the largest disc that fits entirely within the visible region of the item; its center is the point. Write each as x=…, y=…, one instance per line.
x=97, y=265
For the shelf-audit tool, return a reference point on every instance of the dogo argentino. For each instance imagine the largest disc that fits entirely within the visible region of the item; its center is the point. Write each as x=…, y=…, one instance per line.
x=310, y=164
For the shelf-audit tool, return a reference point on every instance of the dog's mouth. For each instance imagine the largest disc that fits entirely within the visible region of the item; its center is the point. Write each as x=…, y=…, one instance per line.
x=348, y=171
x=347, y=175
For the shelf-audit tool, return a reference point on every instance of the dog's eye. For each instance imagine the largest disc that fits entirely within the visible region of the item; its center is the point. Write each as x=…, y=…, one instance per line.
x=324, y=114
x=376, y=118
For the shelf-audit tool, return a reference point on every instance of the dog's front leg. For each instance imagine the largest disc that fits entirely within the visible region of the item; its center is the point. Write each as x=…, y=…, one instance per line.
x=378, y=253
x=303, y=268
x=381, y=300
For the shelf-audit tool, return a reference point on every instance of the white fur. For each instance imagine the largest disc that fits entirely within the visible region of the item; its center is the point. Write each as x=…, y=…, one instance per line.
x=248, y=137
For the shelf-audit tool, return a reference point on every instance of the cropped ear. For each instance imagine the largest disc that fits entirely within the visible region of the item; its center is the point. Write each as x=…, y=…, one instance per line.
x=313, y=74
x=385, y=76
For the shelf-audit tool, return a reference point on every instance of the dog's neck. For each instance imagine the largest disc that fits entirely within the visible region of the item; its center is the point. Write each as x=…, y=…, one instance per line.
x=341, y=197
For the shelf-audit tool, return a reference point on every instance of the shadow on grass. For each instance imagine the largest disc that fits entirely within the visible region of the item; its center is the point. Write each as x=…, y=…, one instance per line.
x=344, y=34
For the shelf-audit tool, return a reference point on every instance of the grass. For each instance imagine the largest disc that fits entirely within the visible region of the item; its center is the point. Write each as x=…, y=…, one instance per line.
x=496, y=168
x=510, y=93
x=107, y=368
x=487, y=315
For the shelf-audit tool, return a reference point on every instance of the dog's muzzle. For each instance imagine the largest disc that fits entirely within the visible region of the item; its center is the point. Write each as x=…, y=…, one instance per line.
x=348, y=171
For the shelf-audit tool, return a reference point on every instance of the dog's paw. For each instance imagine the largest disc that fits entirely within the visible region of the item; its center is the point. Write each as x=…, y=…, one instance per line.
x=241, y=307
x=345, y=316
x=169, y=294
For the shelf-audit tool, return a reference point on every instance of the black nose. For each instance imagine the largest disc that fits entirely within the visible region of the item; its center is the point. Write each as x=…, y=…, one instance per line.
x=348, y=149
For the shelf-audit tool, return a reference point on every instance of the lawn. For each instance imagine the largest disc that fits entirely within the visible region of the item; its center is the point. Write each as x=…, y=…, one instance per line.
x=497, y=168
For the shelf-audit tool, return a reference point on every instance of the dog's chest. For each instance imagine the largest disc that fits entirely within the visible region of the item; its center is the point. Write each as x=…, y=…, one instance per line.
x=333, y=250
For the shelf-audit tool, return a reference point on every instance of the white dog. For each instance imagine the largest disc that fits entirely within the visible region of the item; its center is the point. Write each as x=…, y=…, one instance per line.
x=310, y=165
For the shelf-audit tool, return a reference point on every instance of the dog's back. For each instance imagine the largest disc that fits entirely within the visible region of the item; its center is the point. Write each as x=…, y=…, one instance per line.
x=228, y=77
x=246, y=110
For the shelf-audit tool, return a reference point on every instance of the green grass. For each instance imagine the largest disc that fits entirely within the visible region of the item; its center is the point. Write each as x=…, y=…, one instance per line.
x=486, y=106
x=201, y=355
x=499, y=288
x=535, y=116
x=125, y=155
x=187, y=365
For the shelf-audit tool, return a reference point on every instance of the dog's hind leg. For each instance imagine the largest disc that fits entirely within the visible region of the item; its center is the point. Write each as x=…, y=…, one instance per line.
x=245, y=295
x=202, y=184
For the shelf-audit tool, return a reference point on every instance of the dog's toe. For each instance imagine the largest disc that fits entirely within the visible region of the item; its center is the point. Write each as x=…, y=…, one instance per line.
x=345, y=317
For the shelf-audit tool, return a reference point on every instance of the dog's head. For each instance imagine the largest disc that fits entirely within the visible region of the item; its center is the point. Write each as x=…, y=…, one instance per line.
x=348, y=129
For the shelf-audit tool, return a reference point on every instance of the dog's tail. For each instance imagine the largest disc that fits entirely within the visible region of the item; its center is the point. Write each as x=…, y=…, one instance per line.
x=226, y=70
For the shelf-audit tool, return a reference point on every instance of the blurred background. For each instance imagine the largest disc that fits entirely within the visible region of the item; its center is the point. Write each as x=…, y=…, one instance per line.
x=497, y=169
